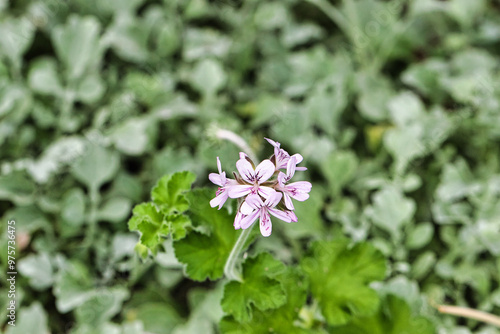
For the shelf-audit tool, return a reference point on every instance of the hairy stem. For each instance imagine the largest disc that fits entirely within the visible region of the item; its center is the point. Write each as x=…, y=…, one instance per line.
x=470, y=313
x=230, y=270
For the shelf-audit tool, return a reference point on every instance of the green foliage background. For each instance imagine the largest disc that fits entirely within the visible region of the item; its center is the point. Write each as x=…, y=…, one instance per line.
x=393, y=104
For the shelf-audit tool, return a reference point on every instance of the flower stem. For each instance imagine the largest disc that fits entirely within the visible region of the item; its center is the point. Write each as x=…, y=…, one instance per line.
x=470, y=313
x=230, y=270
x=237, y=140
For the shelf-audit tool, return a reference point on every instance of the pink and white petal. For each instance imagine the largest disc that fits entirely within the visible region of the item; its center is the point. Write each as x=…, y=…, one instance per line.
x=301, y=197
x=273, y=200
x=293, y=216
x=254, y=201
x=288, y=202
x=280, y=214
x=266, y=191
x=272, y=142
x=246, y=170
x=290, y=167
x=301, y=186
x=266, y=227
x=219, y=200
x=264, y=171
x=300, y=169
x=246, y=209
x=237, y=220
x=247, y=221
x=239, y=190
x=243, y=155
x=298, y=158
x=281, y=179
x=215, y=179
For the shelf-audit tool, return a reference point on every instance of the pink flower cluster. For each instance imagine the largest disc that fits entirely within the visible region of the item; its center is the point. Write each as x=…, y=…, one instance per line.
x=260, y=193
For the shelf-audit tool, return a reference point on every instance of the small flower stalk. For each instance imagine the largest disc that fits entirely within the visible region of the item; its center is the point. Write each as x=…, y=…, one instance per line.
x=263, y=190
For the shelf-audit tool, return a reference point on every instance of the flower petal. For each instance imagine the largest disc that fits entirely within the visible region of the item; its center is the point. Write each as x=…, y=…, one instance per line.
x=300, y=186
x=272, y=142
x=237, y=220
x=288, y=202
x=290, y=167
x=293, y=216
x=265, y=224
x=246, y=209
x=254, y=201
x=273, y=199
x=247, y=221
x=298, y=158
x=246, y=170
x=280, y=214
x=219, y=200
x=264, y=171
x=215, y=179
x=301, y=197
x=281, y=179
x=266, y=191
x=239, y=190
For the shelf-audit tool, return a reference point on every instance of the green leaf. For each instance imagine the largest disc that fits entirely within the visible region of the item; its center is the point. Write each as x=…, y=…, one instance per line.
x=158, y=317
x=339, y=167
x=77, y=45
x=178, y=225
x=38, y=268
x=96, y=166
x=393, y=317
x=208, y=77
x=425, y=77
x=422, y=265
x=258, y=288
x=405, y=108
x=102, y=306
x=16, y=187
x=43, y=77
x=73, y=286
x=205, y=311
x=419, y=236
x=168, y=193
x=206, y=255
x=134, y=136
x=339, y=276
x=115, y=210
x=391, y=210
x=31, y=319
x=17, y=36
x=90, y=89
x=150, y=223
x=73, y=207
x=284, y=319
x=129, y=39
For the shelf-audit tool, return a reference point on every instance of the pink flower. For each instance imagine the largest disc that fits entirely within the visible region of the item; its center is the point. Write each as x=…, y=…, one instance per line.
x=282, y=157
x=224, y=185
x=254, y=207
x=297, y=190
x=253, y=178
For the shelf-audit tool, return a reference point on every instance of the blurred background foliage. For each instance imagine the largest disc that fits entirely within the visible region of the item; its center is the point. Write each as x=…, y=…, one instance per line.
x=393, y=104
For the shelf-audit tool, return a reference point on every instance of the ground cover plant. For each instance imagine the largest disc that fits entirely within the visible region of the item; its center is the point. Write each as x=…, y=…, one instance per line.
x=122, y=122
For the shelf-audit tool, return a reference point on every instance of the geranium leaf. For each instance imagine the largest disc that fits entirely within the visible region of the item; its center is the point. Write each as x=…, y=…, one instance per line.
x=168, y=193
x=277, y=320
x=206, y=255
x=339, y=276
x=393, y=317
x=258, y=288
